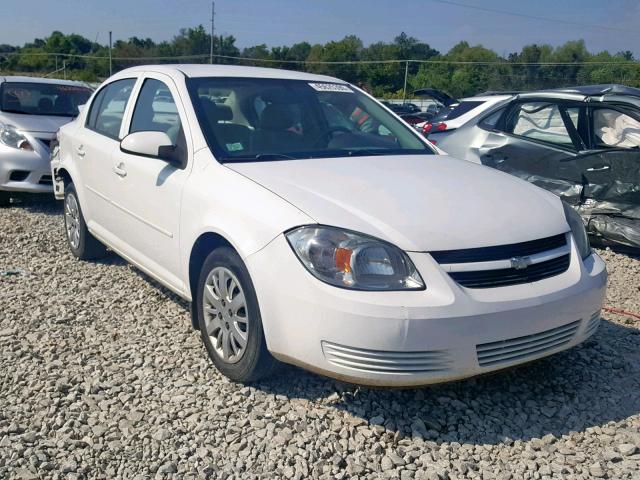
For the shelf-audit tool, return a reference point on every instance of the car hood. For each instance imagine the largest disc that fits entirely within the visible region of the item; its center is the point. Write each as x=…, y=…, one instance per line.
x=417, y=202
x=34, y=123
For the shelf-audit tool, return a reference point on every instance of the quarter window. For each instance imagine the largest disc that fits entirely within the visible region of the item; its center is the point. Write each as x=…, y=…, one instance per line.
x=156, y=110
x=539, y=121
x=107, y=109
x=614, y=129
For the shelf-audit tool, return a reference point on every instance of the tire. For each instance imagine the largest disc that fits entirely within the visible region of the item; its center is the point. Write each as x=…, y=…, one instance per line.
x=5, y=199
x=229, y=317
x=82, y=244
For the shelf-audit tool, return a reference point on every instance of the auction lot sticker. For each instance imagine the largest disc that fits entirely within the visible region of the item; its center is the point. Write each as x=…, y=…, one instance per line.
x=330, y=87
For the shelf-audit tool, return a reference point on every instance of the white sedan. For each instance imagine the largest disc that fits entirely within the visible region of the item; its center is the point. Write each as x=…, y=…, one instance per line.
x=306, y=223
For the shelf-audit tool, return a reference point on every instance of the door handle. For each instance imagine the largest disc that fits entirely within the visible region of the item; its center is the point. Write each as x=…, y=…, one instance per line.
x=119, y=170
x=80, y=151
x=599, y=168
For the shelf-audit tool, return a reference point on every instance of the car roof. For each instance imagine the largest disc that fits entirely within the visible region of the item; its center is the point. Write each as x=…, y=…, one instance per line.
x=603, y=89
x=200, y=70
x=54, y=81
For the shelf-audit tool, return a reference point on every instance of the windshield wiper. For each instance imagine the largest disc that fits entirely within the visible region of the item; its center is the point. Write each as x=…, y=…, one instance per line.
x=10, y=110
x=260, y=156
x=359, y=152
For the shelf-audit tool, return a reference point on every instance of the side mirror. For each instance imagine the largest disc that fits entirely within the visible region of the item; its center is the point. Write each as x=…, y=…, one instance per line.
x=149, y=144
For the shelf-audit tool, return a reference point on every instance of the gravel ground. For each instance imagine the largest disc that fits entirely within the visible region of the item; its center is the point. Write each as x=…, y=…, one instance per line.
x=102, y=377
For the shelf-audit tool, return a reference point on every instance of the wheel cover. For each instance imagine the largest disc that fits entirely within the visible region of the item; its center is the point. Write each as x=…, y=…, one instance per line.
x=225, y=314
x=72, y=220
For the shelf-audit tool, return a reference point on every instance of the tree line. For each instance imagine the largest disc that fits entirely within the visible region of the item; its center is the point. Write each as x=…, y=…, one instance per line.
x=464, y=70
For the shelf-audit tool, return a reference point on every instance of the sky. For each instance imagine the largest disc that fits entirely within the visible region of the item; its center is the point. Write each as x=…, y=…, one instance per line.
x=611, y=25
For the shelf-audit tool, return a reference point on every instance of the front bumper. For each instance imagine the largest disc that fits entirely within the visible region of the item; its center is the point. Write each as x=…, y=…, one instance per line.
x=25, y=171
x=443, y=333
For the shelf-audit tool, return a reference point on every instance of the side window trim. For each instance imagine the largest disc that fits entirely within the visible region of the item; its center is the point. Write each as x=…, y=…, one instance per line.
x=93, y=106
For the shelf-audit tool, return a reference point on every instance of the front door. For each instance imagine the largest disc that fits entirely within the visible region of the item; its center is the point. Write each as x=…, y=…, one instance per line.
x=148, y=191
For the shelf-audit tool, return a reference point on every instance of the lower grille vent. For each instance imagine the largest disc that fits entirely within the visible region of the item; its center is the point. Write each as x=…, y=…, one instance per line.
x=594, y=323
x=379, y=361
x=520, y=348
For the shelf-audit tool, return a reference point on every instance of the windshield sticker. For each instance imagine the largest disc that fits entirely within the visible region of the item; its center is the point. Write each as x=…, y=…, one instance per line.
x=234, y=147
x=330, y=87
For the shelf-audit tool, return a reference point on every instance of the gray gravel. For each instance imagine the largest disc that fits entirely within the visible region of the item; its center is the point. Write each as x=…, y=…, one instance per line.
x=102, y=377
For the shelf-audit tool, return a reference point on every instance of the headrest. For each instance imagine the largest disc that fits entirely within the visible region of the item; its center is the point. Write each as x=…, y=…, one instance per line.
x=216, y=112
x=277, y=116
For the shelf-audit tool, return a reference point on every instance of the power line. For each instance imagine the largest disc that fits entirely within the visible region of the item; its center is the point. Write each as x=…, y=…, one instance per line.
x=535, y=17
x=504, y=63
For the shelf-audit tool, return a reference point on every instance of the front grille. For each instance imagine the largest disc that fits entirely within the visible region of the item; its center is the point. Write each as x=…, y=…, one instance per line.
x=500, y=252
x=510, y=276
x=553, y=258
x=46, y=180
x=390, y=362
x=522, y=348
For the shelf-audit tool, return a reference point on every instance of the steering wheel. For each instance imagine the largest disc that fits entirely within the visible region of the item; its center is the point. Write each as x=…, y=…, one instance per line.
x=328, y=132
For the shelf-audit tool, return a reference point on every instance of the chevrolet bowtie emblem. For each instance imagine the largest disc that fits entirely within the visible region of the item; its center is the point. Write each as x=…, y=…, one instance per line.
x=520, y=263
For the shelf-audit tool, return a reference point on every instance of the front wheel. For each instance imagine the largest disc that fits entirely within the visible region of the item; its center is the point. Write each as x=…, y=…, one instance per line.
x=82, y=244
x=229, y=318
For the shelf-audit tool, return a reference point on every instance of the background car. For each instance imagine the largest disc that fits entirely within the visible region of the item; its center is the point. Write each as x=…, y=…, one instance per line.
x=31, y=111
x=582, y=143
x=457, y=113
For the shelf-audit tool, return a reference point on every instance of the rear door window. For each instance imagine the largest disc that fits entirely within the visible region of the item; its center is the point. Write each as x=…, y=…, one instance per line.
x=456, y=111
x=539, y=121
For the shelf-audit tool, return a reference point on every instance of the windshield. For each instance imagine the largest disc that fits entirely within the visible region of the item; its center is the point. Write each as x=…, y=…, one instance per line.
x=42, y=98
x=253, y=119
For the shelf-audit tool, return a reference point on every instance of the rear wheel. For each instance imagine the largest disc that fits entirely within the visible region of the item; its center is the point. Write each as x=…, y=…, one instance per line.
x=82, y=244
x=229, y=318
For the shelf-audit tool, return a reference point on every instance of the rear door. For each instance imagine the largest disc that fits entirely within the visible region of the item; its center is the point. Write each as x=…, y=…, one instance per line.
x=93, y=147
x=535, y=140
x=147, y=192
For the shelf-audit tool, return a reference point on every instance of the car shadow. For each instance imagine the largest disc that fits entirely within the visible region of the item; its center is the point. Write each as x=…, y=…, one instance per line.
x=588, y=386
x=38, y=203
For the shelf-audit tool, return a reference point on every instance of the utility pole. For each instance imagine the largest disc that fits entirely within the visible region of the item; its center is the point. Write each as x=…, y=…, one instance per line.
x=64, y=68
x=110, y=59
x=406, y=74
x=213, y=15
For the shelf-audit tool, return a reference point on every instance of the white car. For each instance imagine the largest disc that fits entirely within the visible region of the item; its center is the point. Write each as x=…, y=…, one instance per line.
x=31, y=111
x=307, y=223
x=449, y=119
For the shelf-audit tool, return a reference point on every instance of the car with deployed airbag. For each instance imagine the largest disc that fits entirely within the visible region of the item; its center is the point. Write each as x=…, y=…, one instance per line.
x=306, y=223
x=581, y=143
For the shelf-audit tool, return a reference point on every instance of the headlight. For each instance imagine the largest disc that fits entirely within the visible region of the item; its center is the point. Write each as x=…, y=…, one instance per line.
x=351, y=260
x=12, y=138
x=577, y=229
